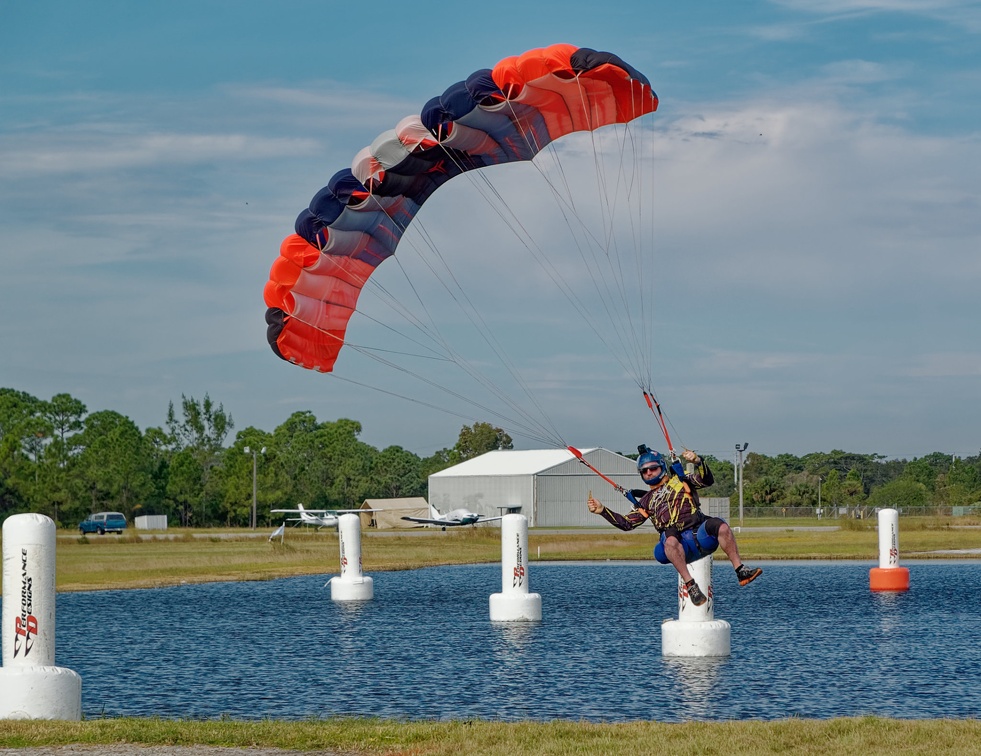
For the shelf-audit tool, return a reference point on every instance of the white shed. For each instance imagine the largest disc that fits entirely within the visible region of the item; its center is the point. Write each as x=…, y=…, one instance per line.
x=151, y=522
x=548, y=486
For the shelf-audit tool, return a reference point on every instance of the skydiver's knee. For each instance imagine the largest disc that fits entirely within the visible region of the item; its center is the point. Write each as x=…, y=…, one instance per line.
x=673, y=545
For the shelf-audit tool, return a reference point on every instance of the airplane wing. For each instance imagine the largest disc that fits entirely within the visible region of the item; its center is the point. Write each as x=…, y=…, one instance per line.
x=427, y=521
x=449, y=523
x=322, y=512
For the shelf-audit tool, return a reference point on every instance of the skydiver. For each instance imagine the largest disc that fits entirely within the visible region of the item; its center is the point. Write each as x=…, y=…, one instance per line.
x=672, y=506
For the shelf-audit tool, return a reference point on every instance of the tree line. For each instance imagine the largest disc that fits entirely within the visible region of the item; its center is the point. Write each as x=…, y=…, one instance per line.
x=840, y=479
x=58, y=459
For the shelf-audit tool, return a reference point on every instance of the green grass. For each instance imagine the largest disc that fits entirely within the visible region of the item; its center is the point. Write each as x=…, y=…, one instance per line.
x=868, y=736
x=96, y=562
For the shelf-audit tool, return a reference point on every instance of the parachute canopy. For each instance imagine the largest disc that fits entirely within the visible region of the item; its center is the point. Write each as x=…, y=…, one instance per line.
x=500, y=115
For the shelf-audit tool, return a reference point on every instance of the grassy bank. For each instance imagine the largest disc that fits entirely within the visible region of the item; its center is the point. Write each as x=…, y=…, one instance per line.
x=185, y=556
x=869, y=736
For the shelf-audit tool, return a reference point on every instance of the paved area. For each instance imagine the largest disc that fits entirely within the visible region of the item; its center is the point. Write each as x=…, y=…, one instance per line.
x=132, y=749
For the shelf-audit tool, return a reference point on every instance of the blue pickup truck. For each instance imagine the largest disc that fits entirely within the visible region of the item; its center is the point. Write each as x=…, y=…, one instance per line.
x=103, y=522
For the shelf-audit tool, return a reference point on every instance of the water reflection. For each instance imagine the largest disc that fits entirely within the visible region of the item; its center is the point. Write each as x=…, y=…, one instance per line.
x=809, y=640
x=694, y=681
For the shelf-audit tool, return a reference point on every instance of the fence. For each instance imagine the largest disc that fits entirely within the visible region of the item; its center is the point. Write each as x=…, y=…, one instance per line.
x=858, y=513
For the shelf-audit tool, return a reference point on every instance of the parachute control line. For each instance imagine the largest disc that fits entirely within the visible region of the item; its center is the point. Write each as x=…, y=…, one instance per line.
x=515, y=603
x=31, y=686
x=351, y=584
x=889, y=576
x=696, y=632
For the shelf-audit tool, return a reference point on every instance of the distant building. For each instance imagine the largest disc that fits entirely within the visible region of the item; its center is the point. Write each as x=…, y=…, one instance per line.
x=548, y=486
x=392, y=512
x=151, y=522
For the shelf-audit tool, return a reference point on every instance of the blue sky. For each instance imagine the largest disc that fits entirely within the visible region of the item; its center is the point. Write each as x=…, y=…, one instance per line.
x=817, y=212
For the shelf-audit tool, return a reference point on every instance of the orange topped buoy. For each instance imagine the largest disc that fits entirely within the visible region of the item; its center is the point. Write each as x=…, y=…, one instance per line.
x=889, y=576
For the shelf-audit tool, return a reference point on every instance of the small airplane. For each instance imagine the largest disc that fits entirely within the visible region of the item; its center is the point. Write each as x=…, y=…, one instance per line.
x=319, y=518
x=450, y=519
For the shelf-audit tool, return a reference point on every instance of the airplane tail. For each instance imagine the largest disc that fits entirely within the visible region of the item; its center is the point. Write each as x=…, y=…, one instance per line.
x=434, y=513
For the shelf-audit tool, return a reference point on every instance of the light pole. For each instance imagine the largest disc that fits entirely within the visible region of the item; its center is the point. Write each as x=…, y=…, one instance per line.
x=741, y=449
x=253, y=453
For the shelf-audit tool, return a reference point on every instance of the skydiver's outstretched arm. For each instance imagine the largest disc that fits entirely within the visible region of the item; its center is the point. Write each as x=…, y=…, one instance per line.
x=631, y=520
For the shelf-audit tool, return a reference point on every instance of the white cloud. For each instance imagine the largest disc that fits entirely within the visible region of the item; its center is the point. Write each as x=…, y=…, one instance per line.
x=961, y=13
x=945, y=365
x=94, y=153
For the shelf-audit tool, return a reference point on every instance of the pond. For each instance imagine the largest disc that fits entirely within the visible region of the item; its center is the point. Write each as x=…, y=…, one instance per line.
x=808, y=640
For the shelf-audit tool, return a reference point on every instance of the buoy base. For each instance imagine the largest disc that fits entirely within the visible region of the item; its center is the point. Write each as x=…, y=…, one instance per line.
x=709, y=638
x=31, y=692
x=515, y=607
x=349, y=590
x=889, y=579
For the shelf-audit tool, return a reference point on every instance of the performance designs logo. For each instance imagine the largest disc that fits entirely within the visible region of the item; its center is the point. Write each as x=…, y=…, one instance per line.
x=519, y=568
x=25, y=624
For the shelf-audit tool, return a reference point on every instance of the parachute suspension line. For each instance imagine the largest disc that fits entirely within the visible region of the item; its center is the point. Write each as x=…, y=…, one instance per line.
x=647, y=273
x=467, y=306
x=546, y=428
x=615, y=285
x=534, y=430
x=500, y=206
x=444, y=410
x=567, y=207
x=614, y=259
x=525, y=238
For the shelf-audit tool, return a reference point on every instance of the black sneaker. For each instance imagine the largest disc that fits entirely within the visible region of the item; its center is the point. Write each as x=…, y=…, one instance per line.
x=746, y=574
x=695, y=593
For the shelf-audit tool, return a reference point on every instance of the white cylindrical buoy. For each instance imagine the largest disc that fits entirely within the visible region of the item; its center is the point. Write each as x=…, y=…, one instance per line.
x=350, y=585
x=696, y=632
x=515, y=602
x=40, y=693
x=31, y=686
x=889, y=576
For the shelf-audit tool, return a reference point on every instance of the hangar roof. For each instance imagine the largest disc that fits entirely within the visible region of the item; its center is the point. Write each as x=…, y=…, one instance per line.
x=510, y=462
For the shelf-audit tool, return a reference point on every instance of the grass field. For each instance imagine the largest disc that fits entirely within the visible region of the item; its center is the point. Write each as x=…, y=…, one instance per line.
x=186, y=556
x=867, y=736
x=130, y=561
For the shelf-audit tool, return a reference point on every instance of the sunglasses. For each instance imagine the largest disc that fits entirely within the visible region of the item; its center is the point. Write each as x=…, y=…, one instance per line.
x=649, y=470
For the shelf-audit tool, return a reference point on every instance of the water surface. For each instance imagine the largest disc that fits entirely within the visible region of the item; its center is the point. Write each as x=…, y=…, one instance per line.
x=808, y=640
